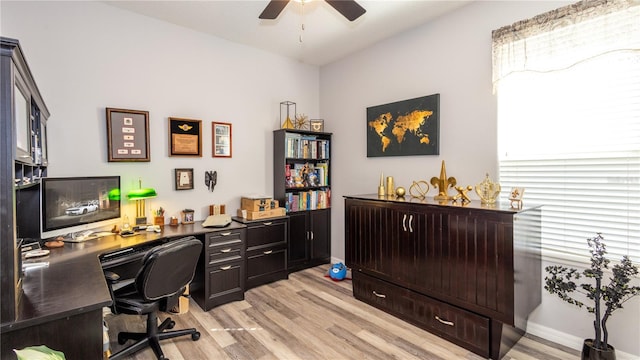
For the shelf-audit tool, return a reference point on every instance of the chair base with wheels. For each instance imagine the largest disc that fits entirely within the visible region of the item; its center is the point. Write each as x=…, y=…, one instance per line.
x=165, y=273
x=152, y=337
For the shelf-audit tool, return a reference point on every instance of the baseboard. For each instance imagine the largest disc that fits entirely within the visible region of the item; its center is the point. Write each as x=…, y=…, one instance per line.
x=567, y=340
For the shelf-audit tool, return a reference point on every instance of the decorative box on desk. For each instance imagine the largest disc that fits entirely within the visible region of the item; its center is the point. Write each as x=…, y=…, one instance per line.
x=266, y=250
x=408, y=259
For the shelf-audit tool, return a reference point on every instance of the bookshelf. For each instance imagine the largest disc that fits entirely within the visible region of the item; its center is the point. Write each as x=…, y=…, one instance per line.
x=302, y=185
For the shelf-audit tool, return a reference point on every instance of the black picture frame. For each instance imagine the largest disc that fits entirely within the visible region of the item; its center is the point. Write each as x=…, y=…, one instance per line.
x=185, y=137
x=127, y=135
x=183, y=179
x=404, y=128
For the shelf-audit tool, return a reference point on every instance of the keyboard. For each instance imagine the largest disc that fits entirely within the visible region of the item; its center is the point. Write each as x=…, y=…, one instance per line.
x=86, y=235
x=129, y=254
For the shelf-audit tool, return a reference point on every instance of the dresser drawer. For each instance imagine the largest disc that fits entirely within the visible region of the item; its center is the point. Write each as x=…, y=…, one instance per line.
x=267, y=232
x=460, y=326
x=224, y=246
x=266, y=265
x=224, y=237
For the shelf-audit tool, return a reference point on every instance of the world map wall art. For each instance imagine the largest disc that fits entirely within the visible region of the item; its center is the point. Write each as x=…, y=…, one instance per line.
x=403, y=128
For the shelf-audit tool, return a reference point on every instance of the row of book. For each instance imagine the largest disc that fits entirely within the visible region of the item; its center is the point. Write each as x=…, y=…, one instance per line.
x=306, y=175
x=306, y=147
x=308, y=200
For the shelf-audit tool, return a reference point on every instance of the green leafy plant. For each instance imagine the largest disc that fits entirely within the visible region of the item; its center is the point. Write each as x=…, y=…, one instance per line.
x=560, y=281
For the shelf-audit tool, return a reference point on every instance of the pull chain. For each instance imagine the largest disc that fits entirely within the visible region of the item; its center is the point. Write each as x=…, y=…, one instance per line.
x=302, y=23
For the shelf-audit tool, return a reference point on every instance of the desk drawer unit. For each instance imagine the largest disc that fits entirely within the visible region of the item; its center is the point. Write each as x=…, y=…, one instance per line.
x=221, y=273
x=267, y=251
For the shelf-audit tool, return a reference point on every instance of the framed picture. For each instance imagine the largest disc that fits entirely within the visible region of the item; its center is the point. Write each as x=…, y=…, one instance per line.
x=184, y=179
x=404, y=128
x=187, y=216
x=185, y=137
x=128, y=135
x=316, y=125
x=221, y=139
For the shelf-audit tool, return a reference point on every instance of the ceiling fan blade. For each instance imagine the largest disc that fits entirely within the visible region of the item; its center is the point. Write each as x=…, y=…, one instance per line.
x=273, y=9
x=349, y=8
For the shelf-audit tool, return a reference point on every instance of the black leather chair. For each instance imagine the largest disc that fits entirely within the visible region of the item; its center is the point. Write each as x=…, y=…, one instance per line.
x=166, y=271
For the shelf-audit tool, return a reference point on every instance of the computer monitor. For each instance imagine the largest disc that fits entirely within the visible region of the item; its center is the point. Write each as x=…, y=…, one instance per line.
x=71, y=205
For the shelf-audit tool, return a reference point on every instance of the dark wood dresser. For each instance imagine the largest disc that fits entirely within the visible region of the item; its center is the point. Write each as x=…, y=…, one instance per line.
x=468, y=273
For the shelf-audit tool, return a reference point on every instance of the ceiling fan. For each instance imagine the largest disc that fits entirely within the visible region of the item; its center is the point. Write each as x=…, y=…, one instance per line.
x=348, y=8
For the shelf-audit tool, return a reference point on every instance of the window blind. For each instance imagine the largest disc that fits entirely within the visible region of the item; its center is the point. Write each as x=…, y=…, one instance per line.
x=568, y=90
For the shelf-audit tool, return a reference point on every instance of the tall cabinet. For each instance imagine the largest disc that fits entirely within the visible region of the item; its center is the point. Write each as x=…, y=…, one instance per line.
x=23, y=121
x=302, y=184
x=470, y=274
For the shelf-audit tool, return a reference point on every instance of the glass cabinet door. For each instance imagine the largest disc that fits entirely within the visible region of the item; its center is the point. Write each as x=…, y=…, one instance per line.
x=22, y=122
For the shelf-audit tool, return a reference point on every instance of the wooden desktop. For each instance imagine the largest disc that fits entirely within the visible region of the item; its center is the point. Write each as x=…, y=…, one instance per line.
x=61, y=304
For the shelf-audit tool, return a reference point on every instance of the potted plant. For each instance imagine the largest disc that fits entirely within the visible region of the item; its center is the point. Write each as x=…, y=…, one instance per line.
x=604, y=297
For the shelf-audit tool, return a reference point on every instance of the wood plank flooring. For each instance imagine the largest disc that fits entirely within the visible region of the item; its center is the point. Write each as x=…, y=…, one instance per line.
x=310, y=317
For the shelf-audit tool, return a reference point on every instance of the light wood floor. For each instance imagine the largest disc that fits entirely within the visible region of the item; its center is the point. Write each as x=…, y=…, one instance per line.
x=310, y=317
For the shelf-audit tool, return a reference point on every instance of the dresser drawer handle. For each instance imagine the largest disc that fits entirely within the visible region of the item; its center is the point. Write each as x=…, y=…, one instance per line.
x=226, y=233
x=450, y=323
x=267, y=223
x=267, y=252
x=225, y=250
x=383, y=296
x=225, y=267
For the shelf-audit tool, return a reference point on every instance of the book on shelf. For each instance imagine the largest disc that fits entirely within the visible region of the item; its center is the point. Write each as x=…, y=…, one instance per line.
x=308, y=200
x=300, y=146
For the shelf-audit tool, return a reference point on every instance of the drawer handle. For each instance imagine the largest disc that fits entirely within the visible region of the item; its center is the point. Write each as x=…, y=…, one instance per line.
x=225, y=267
x=225, y=250
x=268, y=252
x=404, y=222
x=225, y=233
x=450, y=323
x=267, y=223
x=383, y=296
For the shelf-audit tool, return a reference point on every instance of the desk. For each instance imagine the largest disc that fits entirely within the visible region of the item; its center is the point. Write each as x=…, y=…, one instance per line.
x=61, y=305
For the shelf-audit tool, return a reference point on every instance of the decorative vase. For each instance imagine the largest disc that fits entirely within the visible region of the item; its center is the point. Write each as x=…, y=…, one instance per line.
x=591, y=353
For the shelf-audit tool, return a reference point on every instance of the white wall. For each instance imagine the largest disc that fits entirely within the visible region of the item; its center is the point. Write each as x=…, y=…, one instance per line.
x=87, y=56
x=450, y=56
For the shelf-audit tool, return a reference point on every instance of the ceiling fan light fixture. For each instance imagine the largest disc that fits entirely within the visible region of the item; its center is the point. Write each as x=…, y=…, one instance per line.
x=348, y=8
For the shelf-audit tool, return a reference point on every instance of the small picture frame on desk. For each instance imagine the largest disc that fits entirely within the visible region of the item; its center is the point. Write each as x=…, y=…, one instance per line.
x=187, y=216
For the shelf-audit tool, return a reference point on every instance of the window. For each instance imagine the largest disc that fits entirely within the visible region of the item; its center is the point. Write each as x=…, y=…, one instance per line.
x=568, y=90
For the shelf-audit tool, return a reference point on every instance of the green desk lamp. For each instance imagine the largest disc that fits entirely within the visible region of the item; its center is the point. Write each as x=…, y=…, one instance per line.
x=139, y=196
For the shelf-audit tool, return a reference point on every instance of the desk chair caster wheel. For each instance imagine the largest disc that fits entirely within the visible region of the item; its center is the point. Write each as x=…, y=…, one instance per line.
x=171, y=324
x=195, y=336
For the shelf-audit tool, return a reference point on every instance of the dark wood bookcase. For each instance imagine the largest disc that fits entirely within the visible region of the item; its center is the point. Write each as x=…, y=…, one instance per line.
x=309, y=225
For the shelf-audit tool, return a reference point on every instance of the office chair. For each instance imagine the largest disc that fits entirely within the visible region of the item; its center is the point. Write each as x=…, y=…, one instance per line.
x=166, y=271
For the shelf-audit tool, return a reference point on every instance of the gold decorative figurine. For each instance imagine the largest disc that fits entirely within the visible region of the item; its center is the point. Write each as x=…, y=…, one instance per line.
x=443, y=184
x=381, y=191
x=285, y=116
x=488, y=191
x=462, y=194
x=302, y=122
x=419, y=189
